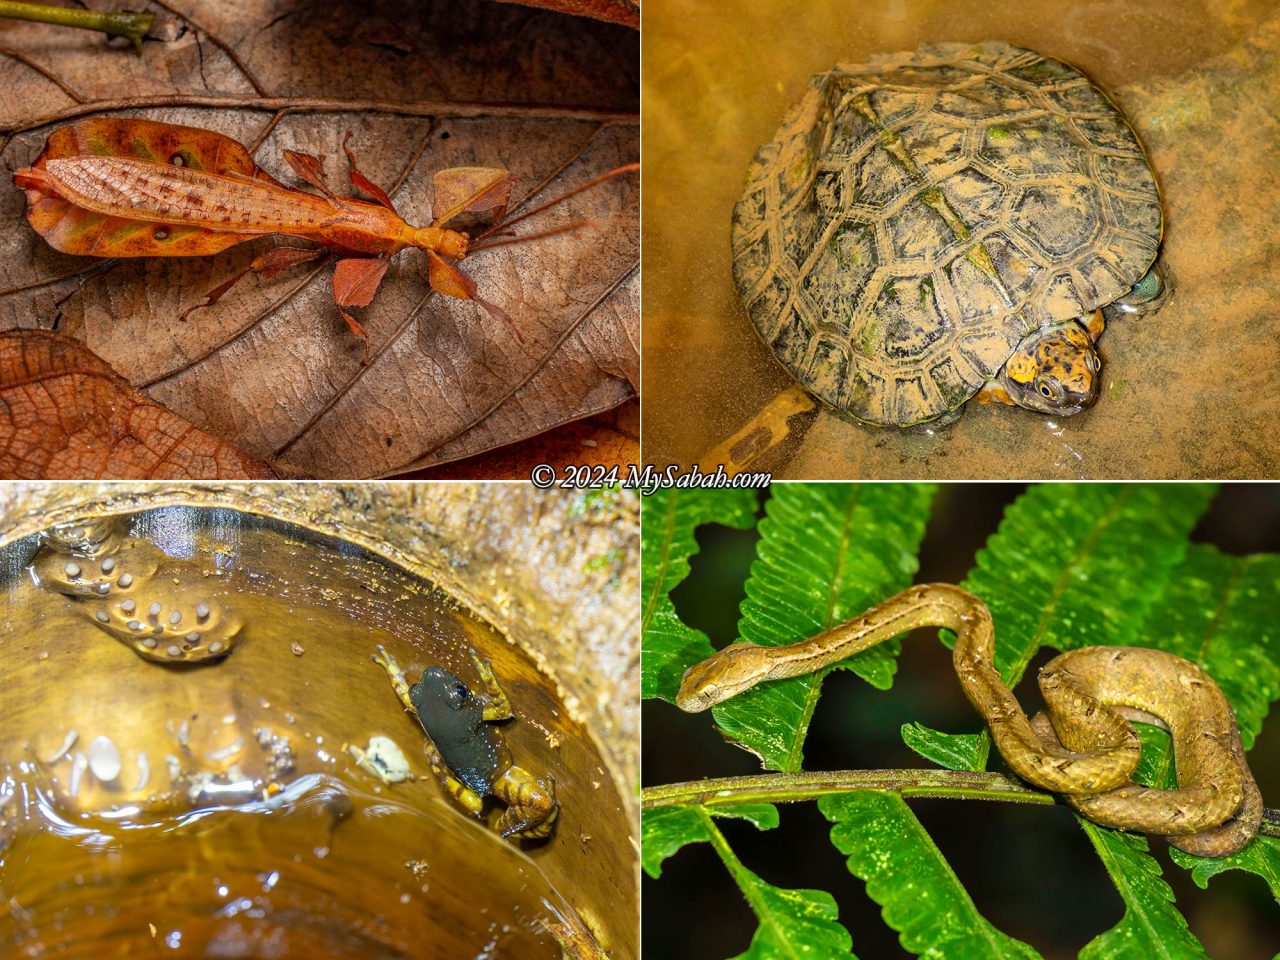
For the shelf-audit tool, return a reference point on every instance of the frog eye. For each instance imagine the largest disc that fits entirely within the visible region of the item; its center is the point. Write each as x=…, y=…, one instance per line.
x=461, y=692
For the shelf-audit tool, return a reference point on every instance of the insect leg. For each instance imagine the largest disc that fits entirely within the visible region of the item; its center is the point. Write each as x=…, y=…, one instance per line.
x=449, y=280
x=268, y=264
x=355, y=281
x=361, y=182
x=310, y=169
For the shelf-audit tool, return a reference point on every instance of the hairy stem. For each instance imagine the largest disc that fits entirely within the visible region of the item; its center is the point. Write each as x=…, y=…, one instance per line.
x=790, y=787
x=794, y=787
x=120, y=24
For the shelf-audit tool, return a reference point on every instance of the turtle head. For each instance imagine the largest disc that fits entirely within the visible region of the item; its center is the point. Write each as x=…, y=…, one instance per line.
x=1054, y=370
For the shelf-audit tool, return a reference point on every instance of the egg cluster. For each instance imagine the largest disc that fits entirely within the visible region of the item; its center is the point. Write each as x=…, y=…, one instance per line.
x=136, y=594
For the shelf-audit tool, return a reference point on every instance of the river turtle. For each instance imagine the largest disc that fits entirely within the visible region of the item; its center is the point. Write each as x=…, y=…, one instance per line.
x=945, y=223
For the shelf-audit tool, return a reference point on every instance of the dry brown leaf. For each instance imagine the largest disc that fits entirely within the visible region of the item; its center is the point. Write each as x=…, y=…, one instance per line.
x=609, y=438
x=65, y=414
x=421, y=87
x=626, y=12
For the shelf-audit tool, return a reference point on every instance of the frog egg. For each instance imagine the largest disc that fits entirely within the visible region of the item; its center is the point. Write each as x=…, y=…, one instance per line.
x=104, y=759
x=149, y=643
x=154, y=609
x=202, y=612
x=108, y=564
x=126, y=580
x=72, y=570
x=175, y=618
x=101, y=616
x=128, y=606
x=215, y=647
x=174, y=650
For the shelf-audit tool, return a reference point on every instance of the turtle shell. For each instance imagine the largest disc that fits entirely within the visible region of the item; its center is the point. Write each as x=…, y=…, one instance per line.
x=913, y=219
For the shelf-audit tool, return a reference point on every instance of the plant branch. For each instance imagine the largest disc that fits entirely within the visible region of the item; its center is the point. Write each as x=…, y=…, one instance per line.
x=791, y=787
x=416, y=108
x=794, y=787
x=121, y=24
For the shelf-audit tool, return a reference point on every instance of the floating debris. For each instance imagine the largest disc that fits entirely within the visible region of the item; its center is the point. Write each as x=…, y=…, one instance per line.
x=67, y=743
x=104, y=759
x=383, y=758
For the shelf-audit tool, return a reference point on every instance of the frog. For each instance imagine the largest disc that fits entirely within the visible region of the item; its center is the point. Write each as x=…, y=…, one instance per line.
x=467, y=750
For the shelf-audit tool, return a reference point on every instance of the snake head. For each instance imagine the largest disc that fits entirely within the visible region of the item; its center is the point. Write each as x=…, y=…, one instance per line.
x=711, y=681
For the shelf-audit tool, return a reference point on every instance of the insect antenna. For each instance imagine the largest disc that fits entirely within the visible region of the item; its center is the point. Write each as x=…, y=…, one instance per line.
x=507, y=241
x=502, y=225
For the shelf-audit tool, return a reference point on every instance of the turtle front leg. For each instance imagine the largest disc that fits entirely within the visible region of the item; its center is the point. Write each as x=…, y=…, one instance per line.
x=532, y=807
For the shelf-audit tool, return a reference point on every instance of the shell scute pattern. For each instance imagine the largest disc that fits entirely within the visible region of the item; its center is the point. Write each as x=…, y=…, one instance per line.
x=914, y=218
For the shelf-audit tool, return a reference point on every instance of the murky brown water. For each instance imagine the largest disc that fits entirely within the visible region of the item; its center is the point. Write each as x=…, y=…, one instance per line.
x=1188, y=393
x=213, y=808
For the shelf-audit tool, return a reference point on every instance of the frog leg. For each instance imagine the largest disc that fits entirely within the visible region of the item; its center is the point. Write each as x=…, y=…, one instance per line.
x=467, y=797
x=496, y=704
x=532, y=807
x=398, y=682
x=470, y=801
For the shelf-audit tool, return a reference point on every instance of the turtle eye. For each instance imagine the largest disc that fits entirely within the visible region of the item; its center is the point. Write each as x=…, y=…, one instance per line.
x=1045, y=391
x=1092, y=363
x=461, y=692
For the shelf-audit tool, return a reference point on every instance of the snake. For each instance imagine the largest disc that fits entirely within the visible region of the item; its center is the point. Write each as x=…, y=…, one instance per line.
x=1081, y=747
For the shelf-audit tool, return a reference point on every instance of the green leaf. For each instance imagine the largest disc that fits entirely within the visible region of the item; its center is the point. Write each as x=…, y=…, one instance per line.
x=664, y=830
x=1223, y=613
x=793, y=923
x=1151, y=928
x=1261, y=857
x=827, y=552
x=1156, y=769
x=1155, y=766
x=955, y=751
x=919, y=894
x=669, y=518
x=1074, y=565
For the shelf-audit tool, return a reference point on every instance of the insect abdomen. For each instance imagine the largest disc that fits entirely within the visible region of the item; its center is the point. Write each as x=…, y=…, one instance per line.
x=142, y=190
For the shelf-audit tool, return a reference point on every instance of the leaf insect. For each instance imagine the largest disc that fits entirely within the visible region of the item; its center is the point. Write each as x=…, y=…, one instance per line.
x=105, y=187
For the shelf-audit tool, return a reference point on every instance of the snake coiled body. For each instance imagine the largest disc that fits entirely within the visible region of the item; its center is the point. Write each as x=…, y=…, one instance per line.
x=1082, y=747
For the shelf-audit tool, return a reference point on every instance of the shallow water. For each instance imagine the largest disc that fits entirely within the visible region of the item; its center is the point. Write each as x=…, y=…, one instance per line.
x=1186, y=393
x=214, y=809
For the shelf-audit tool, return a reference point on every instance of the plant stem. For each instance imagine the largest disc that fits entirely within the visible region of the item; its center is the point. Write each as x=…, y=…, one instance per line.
x=791, y=787
x=794, y=787
x=119, y=24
